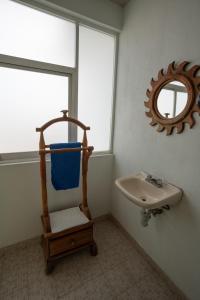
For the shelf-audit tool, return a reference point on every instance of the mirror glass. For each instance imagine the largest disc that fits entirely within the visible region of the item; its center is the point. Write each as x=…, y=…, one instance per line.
x=172, y=99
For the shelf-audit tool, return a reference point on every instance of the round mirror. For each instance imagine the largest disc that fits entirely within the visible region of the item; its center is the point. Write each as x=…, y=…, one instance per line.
x=172, y=99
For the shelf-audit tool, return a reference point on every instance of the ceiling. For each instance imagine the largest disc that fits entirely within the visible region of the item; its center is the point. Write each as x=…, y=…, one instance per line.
x=121, y=2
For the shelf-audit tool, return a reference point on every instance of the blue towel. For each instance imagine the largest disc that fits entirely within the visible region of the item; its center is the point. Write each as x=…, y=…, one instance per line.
x=65, y=167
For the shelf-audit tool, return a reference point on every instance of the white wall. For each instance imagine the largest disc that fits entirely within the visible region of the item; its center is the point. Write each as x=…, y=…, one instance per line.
x=20, y=199
x=101, y=11
x=155, y=33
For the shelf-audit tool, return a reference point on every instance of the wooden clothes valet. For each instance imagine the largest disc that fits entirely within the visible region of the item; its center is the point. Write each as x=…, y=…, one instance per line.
x=68, y=230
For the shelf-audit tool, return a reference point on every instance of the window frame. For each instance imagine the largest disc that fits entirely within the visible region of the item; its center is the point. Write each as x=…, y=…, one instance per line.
x=7, y=61
x=13, y=62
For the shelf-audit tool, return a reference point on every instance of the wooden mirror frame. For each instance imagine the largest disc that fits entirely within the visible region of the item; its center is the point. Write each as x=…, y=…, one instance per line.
x=192, y=83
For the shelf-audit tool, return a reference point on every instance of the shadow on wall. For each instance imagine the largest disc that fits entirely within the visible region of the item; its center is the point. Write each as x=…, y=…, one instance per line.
x=172, y=218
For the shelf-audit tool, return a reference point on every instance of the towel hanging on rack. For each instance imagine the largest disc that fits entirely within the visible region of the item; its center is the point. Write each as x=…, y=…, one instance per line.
x=65, y=167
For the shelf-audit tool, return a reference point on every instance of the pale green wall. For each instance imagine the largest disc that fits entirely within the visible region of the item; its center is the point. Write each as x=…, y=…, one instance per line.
x=155, y=33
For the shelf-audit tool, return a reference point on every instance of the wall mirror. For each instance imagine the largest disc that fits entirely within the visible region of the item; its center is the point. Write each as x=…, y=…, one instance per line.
x=174, y=97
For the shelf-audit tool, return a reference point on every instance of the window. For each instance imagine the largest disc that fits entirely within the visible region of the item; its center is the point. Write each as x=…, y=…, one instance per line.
x=29, y=99
x=29, y=33
x=172, y=99
x=44, y=68
x=96, y=69
x=166, y=103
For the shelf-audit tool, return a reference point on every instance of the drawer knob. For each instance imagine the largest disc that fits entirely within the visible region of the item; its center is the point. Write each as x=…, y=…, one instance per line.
x=72, y=242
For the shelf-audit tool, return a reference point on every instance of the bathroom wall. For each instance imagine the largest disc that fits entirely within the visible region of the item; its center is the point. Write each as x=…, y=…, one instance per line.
x=155, y=33
x=20, y=199
x=101, y=11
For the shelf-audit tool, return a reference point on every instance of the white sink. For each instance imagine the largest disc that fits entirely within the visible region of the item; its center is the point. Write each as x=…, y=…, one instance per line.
x=147, y=195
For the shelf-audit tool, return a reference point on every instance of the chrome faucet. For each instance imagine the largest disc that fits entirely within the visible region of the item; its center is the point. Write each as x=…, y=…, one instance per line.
x=155, y=181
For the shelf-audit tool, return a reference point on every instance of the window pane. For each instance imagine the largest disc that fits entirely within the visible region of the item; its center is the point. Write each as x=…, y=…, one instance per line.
x=181, y=102
x=95, y=94
x=31, y=34
x=166, y=103
x=28, y=100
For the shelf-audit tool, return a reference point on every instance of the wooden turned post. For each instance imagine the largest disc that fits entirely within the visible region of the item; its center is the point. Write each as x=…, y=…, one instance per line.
x=44, y=185
x=84, y=176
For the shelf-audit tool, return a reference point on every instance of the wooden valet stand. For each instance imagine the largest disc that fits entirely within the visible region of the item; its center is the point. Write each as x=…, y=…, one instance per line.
x=58, y=239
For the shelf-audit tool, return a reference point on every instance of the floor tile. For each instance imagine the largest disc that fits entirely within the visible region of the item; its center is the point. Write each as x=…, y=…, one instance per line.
x=98, y=289
x=65, y=279
x=119, y=271
x=15, y=294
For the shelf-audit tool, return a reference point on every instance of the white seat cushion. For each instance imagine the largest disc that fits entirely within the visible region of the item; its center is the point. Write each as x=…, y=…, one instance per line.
x=67, y=218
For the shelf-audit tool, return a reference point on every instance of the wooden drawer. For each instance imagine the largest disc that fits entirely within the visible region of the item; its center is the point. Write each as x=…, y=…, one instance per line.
x=70, y=242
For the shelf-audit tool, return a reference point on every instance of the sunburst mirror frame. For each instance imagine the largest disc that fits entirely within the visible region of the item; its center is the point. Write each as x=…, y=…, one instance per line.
x=189, y=78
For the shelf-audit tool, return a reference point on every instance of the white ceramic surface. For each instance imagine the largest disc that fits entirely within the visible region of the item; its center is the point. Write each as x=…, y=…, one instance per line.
x=147, y=195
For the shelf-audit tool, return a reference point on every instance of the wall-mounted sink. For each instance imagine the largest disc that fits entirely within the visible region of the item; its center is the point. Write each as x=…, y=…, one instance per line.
x=147, y=195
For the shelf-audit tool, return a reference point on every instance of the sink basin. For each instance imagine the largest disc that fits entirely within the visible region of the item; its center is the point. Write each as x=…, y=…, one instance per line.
x=147, y=195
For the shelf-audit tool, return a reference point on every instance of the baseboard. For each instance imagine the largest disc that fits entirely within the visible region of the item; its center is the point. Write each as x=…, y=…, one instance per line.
x=101, y=218
x=171, y=284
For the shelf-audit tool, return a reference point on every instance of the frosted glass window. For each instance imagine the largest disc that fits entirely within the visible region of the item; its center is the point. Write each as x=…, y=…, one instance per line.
x=95, y=92
x=31, y=34
x=166, y=102
x=28, y=100
x=181, y=101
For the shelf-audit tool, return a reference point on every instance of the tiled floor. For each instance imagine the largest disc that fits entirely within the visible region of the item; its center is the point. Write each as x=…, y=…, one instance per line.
x=118, y=272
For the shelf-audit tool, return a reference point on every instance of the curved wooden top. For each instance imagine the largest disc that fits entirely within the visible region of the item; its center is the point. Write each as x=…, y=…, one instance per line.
x=64, y=118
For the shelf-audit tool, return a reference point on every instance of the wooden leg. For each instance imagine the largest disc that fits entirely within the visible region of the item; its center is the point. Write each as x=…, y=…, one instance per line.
x=49, y=267
x=93, y=249
x=42, y=240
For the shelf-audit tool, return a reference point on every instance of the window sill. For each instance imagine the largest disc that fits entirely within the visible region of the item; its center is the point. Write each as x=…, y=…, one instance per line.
x=21, y=161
